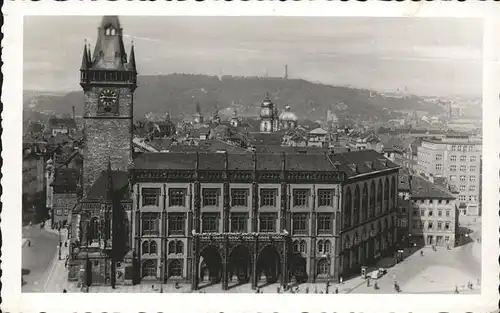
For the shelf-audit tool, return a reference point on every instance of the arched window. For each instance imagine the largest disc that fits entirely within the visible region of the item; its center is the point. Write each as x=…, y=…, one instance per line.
x=179, y=247
x=393, y=193
x=323, y=268
x=320, y=246
x=149, y=268
x=347, y=208
x=296, y=246
x=364, y=203
x=153, y=247
x=347, y=242
x=372, y=200
x=386, y=194
x=113, y=31
x=373, y=232
x=145, y=247
x=175, y=269
x=303, y=246
x=326, y=246
x=379, y=197
x=357, y=201
x=356, y=239
x=93, y=230
x=171, y=247
x=107, y=32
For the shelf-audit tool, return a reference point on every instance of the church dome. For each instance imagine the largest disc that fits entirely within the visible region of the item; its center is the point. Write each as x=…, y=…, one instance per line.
x=287, y=115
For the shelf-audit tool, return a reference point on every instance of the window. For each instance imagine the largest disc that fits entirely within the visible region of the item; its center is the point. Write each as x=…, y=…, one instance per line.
x=462, y=187
x=453, y=158
x=177, y=197
x=473, y=198
x=453, y=168
x=300, y=197
x=404, y=222
x=268, y=197
x=59, y=212
x=149, y=268
x=303, y=246
x=210, y=196
x=472, y=178
x=462, y=197
x=429, y=225
x=179, y=247
x=325, y=197
x=324, y=246
x=171, y=247
x=325, y=223
x=453, y=177
x=463, y=168
x=472, y=188
x=415, y=212
x=463, y=158
x=463, y=178
x=421, y=224
x=323, y=268
x=439, y=157
x=296, y=246
x=439, y=167
x=210, y=223
x=176, y=224
x=299, y=223
x=239, y=197
x=145, y=247
x=453, y=148
x=238, y=222
x=150, y=223
x=447, y=212
x=440, y=225
x=414, y=225
x=422, y=212
x=440, y=212
x=267, y=222
x=447, y=225
x=153, y=248
x=175, y=269
x=472, y=158
x=150, y=196
x=430, y=212
x=472, y=168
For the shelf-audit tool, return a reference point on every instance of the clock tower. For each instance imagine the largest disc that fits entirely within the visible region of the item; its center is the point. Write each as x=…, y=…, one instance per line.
x=108, y=78
x=267, y=116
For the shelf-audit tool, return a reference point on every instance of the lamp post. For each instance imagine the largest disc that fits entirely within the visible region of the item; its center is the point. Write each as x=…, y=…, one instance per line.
x=60, y=241
x=161, y=277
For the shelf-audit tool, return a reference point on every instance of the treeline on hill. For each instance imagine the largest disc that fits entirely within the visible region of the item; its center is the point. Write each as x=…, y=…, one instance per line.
x=178, y=94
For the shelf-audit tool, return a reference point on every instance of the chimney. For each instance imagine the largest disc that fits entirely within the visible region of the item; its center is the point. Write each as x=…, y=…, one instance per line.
x=74, y=115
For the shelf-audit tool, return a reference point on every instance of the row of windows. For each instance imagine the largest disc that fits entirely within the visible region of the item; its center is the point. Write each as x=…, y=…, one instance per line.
x=429, y=201
x=149, y=268
x=151, y=247
x=463, y=158
x=238, y=223
x=463, y=188
x=464, y=198
x=430, y=212
x=430, y=225
x=239, y=197
x=462, y=148
x=453, y=168
x=463, y=178
x=323, y=246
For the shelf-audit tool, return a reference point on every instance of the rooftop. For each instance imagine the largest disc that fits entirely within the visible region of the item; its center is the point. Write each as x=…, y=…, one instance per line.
x=421, y=188
x=352, y=163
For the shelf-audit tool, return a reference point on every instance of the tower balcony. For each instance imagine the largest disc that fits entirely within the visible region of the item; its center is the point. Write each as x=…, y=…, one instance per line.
x=108, y=77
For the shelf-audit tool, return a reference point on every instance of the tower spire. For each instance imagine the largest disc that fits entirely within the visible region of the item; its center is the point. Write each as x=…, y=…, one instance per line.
x=109, y=51
x=85, y=57
x=131, y=59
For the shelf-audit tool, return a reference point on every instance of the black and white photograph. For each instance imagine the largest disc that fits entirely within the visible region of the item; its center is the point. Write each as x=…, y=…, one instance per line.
x=269, y=155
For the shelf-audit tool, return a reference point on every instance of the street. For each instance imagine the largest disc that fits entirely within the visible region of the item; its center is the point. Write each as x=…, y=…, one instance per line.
x=37, y=257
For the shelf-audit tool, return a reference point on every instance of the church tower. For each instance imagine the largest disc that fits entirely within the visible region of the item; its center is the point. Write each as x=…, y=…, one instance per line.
x=108, y=79
x=267, y=116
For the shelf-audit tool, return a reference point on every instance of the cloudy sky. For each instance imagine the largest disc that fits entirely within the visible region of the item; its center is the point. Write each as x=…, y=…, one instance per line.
x=428, y=56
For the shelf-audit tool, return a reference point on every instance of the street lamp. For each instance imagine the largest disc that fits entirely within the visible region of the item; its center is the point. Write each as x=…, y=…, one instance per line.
x=161, y=278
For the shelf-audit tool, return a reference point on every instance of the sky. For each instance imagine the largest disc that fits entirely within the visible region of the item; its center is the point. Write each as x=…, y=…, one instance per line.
x=428, y=56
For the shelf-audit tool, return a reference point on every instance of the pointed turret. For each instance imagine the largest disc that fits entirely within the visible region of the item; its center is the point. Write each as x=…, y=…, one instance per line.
x=109, y=51
x=131, y=60
x=89, y=55
x=85, y=59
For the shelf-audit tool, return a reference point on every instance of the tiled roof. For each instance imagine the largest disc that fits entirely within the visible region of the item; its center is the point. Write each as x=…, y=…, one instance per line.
x=421, y=188
x=62, y=122
x=365, y=161
x=271, y=139
x=67, y=177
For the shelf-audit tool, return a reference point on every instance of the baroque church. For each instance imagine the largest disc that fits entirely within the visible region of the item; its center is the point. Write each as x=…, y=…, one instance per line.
x=210, y=218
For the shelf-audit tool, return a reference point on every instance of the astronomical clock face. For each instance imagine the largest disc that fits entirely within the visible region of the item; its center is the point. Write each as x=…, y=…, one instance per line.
x=108, y=99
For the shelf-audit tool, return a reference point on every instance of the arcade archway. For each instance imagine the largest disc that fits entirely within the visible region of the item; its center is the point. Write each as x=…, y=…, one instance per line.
x=210, y=266
x=239, y=265
x=268, y=265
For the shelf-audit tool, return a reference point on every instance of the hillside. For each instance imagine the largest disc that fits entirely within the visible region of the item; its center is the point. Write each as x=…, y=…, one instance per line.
x=178, y=93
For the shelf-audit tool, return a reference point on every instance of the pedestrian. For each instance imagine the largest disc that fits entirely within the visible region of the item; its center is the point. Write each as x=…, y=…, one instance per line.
x=368, y=282
x=315, y=289
x=307, y=289
x=29, y=243
x=278, y=289
x=456, y=289
x=336, y=290
x=421, y=253
x=64, y=291
x=341, y=280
